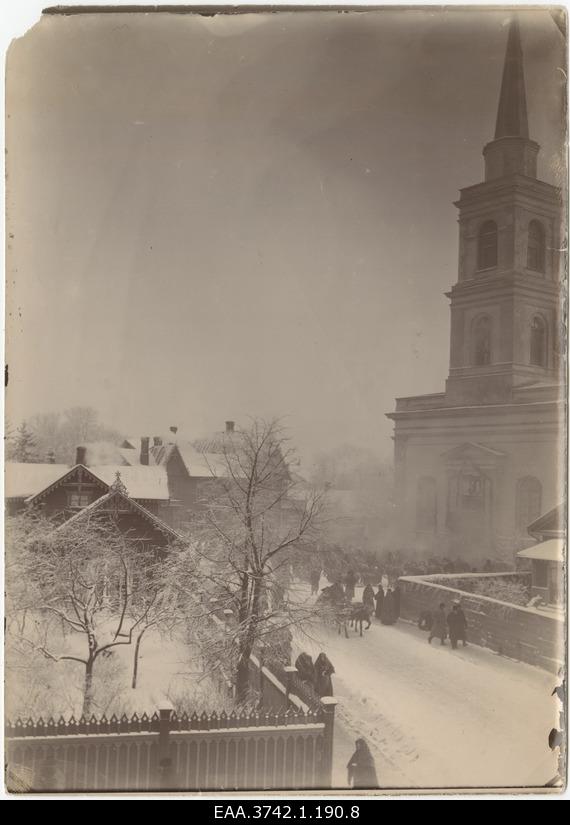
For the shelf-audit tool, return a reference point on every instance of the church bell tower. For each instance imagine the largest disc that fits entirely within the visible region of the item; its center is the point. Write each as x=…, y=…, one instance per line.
x=504, y=306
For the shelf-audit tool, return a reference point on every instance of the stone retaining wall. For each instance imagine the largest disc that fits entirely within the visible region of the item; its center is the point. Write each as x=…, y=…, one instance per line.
x=522, y=633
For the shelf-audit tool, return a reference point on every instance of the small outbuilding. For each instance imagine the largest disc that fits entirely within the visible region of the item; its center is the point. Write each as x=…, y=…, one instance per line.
x=547, y=556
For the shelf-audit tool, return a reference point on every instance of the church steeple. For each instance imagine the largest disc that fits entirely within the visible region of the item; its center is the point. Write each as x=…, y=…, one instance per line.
x=504, y=307
x=512, y=119
x=511, y=152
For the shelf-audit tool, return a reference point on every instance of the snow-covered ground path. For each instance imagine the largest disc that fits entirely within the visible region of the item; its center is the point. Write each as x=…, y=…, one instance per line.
x=436, y=717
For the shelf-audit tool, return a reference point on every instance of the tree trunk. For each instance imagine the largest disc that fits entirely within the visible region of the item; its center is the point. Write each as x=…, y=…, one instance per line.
x=247, y=643
x=88, y=688
x=136, y=658
x=242, y=677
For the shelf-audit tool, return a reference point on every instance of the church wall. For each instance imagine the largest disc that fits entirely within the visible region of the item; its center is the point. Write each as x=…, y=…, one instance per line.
x=531, y=445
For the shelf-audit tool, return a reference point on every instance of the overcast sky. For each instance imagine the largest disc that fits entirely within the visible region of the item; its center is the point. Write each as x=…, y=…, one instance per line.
x=221, y=217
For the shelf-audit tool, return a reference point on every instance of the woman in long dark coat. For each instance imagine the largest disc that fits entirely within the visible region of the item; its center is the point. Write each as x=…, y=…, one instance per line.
x=368, y=597
x=361, y=767
x=388, y=614
x=379, y=601
x=396, y=593
x=323, y=672
x=457, y=625
x=305, y=668
x=439, y=625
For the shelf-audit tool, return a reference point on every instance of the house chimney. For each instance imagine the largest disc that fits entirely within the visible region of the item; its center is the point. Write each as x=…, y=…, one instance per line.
x=51, y=457
x=230, y=426
x=156, y=441
x=80, y=453
x=145, y=441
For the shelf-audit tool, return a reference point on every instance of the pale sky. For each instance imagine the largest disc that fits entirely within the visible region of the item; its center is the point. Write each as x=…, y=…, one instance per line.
x=215, y=218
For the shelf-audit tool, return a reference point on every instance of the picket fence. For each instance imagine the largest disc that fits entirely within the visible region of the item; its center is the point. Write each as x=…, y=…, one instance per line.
x=289, y=747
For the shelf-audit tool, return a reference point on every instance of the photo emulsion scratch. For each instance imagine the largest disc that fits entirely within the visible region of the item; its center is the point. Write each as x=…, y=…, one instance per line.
x=286, y=417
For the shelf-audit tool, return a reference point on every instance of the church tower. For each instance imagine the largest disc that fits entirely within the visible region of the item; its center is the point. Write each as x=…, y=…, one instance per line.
x=504, y=306
x=476, y=464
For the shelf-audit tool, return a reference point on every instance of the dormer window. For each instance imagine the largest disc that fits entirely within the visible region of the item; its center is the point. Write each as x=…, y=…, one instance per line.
x=535, y=249
x=487, y=246
x=77, y=501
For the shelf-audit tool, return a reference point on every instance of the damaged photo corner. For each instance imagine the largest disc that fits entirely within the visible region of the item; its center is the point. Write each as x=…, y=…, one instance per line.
x=286, y=405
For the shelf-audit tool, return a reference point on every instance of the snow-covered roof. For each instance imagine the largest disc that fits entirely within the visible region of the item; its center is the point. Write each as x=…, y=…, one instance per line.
x=202, y=464
x=24, y=480
x=551, y=550
x=550, y=524
x=141, y=481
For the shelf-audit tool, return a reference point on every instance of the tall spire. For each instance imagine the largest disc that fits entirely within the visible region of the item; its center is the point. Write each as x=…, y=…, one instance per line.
x=512, y=118
x=511, y=152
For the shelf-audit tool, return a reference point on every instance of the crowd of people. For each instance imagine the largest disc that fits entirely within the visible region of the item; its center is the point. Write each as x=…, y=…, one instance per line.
x=336, y=563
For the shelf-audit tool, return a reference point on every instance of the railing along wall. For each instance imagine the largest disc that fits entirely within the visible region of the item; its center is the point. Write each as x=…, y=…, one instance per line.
x=169, y=751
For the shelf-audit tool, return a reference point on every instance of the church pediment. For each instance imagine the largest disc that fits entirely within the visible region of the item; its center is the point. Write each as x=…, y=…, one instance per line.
x=474, y=454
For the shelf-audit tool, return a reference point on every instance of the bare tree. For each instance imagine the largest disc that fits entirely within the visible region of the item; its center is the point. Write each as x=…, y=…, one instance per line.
x=253, y=523
x=86, y=578
x=59, y=433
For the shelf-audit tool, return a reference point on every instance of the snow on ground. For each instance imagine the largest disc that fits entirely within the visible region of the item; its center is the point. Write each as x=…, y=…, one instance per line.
x=436, y=717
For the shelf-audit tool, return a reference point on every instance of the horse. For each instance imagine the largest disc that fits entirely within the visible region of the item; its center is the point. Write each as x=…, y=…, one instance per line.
x=360, y=612
x=336, y=606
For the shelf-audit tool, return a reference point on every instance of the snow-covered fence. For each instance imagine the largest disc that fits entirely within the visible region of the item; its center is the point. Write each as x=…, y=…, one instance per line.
x=169, y=751
x=281, y=689
x=280, y=686
x=523, y=633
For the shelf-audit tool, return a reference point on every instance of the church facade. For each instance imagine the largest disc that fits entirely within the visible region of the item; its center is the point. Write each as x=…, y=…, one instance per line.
x=477, y=463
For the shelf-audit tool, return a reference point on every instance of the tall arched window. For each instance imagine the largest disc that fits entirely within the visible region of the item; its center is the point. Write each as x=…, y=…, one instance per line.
x=487, y=246
x=535, y=249
x=528, y=502
x=538, y=342
x=426, y=504
x=482, y=341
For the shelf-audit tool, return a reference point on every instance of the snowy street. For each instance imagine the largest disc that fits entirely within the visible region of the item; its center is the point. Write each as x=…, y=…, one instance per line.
x=436, y=717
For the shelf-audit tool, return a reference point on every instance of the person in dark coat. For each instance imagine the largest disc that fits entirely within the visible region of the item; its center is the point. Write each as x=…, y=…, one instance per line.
x=439, y=625
x=388, y=615
x=368, y=597
x=349, y=585
x=323, y=672
x=379, y=601
x=457, y=625
x=396, y=594
x=335, y=593
x=361, y=767
x=305, y=668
